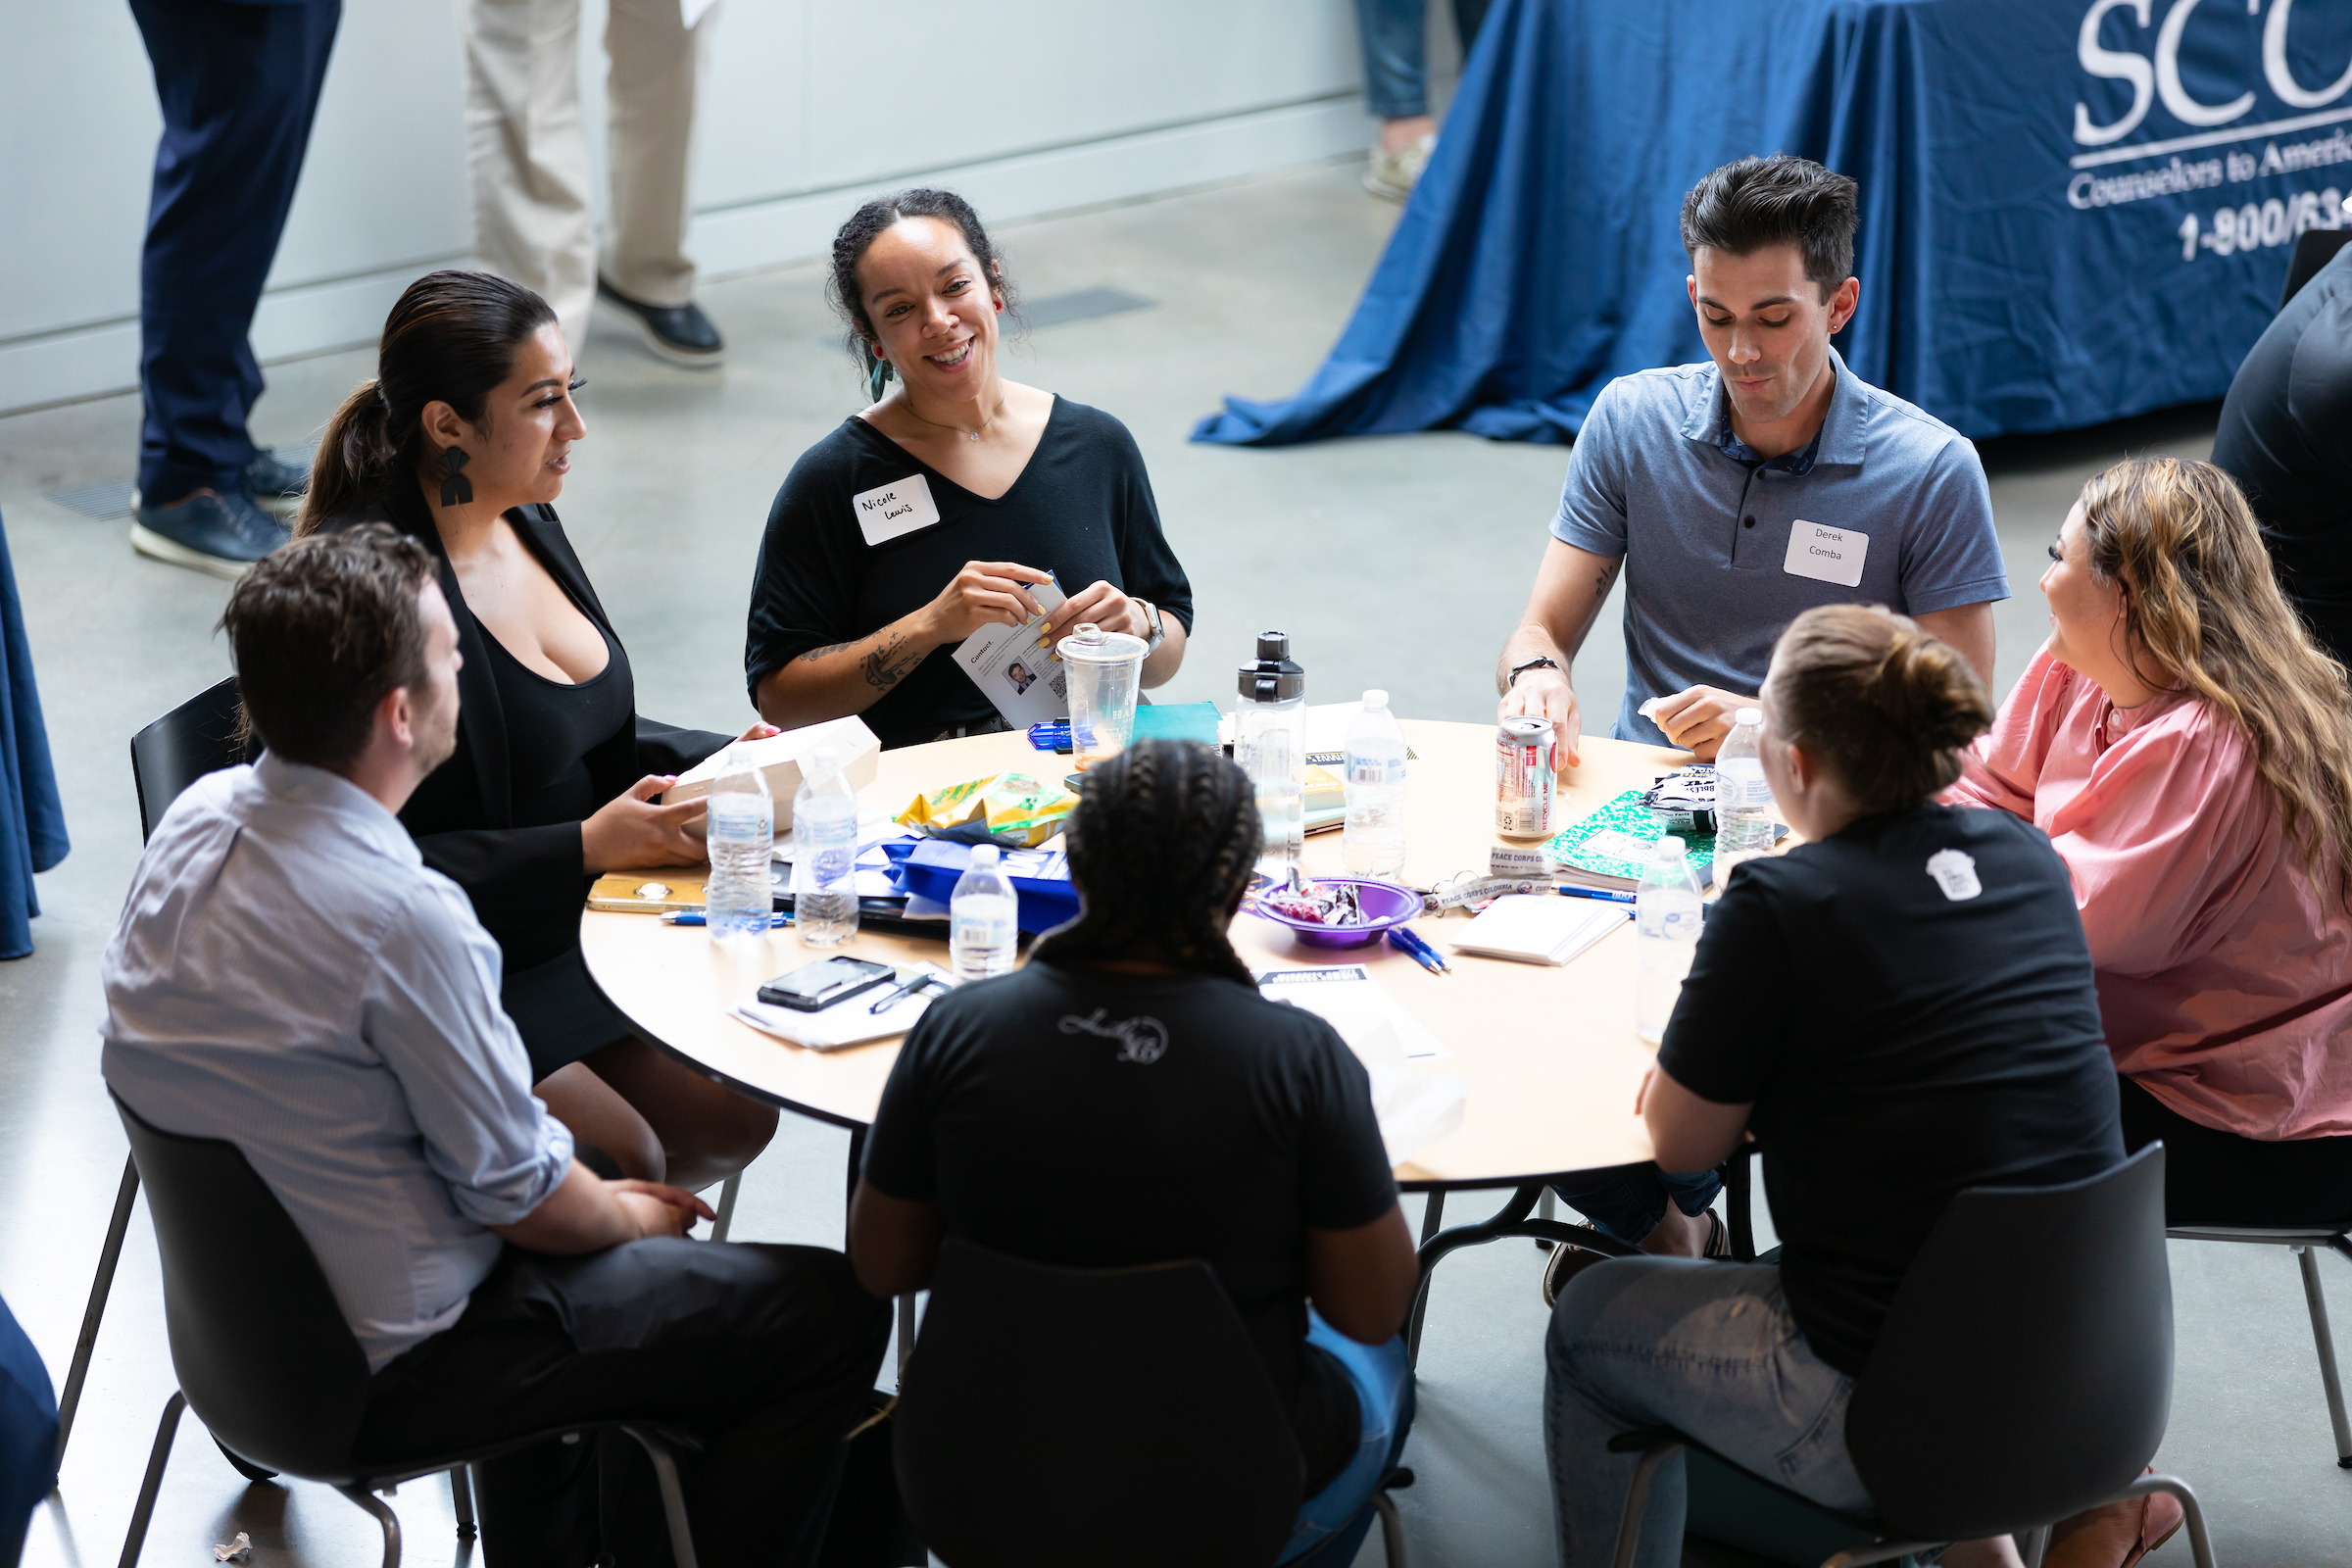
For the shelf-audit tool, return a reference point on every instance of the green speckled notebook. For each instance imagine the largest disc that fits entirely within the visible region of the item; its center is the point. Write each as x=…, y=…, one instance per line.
x=1613, y=843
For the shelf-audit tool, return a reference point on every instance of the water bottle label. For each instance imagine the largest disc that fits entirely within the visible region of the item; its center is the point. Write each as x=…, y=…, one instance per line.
x=1374, y=771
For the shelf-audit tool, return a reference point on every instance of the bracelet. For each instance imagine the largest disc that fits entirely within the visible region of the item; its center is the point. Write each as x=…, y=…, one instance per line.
x=1517, y=670
x=1159, y=630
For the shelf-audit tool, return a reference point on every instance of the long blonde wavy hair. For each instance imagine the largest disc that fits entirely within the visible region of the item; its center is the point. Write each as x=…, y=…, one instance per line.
x=2203, y=603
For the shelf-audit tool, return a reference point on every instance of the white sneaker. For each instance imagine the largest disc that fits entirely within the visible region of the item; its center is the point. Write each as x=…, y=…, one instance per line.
x=1394, y=175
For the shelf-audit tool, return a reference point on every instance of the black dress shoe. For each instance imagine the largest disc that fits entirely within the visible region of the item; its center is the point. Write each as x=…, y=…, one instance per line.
x=206, y=531
x=679, y=334
x=271, y=477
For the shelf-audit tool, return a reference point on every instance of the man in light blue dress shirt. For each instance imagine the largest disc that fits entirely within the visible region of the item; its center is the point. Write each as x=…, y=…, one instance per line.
x=1739, y=493
x=287, y=974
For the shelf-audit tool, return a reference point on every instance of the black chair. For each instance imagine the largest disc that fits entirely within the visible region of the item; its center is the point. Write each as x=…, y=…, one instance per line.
x=2314, y=249
x=197, y=737
x=2308, y=1242
x=1066, y=1418
x=265, y=1358
x=2023, y=1374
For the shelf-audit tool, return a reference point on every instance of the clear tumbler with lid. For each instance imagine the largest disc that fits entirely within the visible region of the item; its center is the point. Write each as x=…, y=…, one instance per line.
x=1107, y=671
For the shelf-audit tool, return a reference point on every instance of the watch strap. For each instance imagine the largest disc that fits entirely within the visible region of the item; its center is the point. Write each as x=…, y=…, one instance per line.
x=1518, y=671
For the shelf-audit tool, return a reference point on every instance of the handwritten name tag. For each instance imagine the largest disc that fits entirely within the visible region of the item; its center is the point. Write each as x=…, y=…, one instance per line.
x=1826, y=554
x=899, y=506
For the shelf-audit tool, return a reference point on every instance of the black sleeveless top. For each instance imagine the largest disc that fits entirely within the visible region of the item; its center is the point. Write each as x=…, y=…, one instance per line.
x=552, y=726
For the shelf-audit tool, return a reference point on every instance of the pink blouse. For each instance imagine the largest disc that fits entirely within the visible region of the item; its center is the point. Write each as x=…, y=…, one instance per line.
x=2225, y=985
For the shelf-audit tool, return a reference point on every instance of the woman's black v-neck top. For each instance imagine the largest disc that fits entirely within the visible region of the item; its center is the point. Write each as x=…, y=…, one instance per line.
x=551, y=725
x=832, y=571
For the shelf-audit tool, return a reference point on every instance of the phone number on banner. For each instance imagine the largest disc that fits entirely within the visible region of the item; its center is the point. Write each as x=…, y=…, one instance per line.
x=2258, y=226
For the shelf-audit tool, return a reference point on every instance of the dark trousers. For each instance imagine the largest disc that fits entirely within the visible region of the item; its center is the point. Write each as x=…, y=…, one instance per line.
x=765, y=1354
x=239, y=87
x=2216, y=1178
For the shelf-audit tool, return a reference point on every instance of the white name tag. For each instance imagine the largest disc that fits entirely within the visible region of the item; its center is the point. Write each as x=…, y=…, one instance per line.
x=899, y=506
x=1826, y=554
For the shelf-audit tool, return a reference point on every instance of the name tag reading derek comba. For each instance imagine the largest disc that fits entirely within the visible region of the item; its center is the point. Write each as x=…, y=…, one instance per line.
x=899, y=506
x=1824, y=554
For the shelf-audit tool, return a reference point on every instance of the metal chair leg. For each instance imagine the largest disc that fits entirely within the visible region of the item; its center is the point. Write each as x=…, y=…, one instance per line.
x=108, y=1257
x=674, y=1497
x=2324, y=1341
x=1391, y=1529
x=460, y=1500
x=1546, y=1207
x=726, y=1207
x=381, y=1512
x=908, y=1324
x=1636, y=1502
x=153, y=1483
x=2038, y=1543
x=2200, y=1545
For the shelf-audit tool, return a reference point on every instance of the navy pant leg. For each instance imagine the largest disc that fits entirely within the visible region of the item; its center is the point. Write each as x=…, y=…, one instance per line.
x=239, y=87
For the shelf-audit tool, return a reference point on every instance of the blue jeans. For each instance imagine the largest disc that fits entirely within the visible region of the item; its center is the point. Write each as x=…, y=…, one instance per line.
x=1629, y=1204
x=1383, y=1394
x=1708, y=1349
x=1396, y=55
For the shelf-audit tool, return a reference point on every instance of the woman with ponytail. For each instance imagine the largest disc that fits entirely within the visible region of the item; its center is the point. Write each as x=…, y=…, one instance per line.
x=2188, y=747
x=939, y=508
x=1206, y=1122
x=461, y=441
x=1899, y=1008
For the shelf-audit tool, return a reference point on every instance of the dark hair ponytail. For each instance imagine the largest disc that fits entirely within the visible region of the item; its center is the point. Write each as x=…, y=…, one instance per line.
x=864, y=226
x=1885, y=706
x=1163, y=839
x=451, y=338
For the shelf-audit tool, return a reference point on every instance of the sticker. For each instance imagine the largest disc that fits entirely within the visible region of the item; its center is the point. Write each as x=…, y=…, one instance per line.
x=1824, y=554
x=1511, y=859
x=899, y=507
x=1955, y=873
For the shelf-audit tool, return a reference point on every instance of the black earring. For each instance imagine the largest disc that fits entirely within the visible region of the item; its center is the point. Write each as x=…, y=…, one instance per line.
x=456, y=489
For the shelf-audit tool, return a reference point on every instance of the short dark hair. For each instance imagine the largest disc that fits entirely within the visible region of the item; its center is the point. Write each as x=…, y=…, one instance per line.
x=1741, y=208
x=865, y=225
x=321, y=631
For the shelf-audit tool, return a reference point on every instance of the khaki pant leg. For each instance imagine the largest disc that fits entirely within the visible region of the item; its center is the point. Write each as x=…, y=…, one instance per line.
x=651, y=91
x=533, y=218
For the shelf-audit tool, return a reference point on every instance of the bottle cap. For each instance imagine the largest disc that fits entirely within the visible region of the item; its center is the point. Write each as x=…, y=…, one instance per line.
x=1670, y=848
x=984, y=856
x=1376, y=697
x=826, y=760
x=1274, y=679
x=1747, y=715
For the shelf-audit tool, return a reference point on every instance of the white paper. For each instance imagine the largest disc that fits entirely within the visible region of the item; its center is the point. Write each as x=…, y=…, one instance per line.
x=1375, y=1026
x=1824, y=554
x=780, y=759
x=1016, y=667
x=847, y=1022
x=1540, y=927
x=1414, y=1109
x=890, y=510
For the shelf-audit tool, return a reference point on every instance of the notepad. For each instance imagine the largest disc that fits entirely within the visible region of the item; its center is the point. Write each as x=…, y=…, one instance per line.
x=847, y=1022
x=1539, y=927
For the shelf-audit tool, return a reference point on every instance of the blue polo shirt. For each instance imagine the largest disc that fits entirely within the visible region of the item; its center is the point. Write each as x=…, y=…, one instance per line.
x=1721, y=549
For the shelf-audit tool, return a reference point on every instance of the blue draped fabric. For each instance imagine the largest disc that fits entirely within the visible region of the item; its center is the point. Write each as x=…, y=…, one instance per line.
x=2013, y=278
x=32, y=821
x=27, y=1435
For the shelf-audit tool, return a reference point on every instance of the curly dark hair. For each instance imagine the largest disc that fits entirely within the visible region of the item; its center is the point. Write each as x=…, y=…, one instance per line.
x=1163, y=839
x=866, y=224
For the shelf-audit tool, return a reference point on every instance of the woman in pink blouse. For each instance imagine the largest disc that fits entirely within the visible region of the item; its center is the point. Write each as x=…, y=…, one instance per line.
x=2188, y=749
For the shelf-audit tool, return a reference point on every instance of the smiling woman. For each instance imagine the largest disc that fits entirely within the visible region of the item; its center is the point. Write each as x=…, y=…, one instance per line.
x=939, y=508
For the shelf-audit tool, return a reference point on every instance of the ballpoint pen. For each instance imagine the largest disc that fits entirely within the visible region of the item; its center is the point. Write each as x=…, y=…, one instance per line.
x=1420, y=951
x=927, y=977
x=697, y=917
x=1605, y=894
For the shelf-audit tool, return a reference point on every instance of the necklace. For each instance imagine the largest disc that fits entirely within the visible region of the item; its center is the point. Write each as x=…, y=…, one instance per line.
x=968, y=435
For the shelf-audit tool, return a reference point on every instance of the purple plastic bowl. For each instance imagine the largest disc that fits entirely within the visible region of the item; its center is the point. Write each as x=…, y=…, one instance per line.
x=1385, y=904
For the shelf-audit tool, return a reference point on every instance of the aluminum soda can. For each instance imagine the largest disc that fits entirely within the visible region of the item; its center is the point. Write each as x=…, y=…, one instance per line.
x=1526, y=772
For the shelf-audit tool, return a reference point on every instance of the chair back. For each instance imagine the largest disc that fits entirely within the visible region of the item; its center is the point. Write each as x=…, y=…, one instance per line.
x=2314, y=249
x=196, y=738
x=1069, y=1418
x=2025, y=1371
x=261, y=1348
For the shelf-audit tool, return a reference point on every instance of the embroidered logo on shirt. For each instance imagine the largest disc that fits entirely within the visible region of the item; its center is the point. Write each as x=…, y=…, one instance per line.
x=1955, y=873
x=1142, y=1041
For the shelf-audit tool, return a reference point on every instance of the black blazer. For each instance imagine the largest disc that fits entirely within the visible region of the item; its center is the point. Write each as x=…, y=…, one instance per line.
x=526, y=883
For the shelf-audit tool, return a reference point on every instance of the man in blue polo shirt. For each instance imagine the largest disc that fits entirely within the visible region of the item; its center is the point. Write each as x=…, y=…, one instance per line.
x=1739, y=493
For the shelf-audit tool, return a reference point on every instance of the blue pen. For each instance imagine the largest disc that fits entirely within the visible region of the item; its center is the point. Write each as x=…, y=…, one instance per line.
x=1420, y=951
x=1602, y=894
x=697, y=917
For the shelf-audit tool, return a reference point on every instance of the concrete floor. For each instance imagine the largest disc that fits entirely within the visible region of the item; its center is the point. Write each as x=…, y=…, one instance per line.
x=1413, y=554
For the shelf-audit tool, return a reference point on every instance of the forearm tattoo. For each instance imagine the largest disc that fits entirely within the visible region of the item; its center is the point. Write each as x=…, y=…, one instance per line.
x=1607, y=578
x=826, y=652
x=889, y=661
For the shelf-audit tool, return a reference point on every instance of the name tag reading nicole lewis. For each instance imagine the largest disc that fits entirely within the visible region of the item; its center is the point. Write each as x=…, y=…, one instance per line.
x=899, y=507
x=1826, y=554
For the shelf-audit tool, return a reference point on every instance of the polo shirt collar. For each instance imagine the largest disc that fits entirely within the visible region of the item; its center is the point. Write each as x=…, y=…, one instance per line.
x=342, y=801
x=1840, y=438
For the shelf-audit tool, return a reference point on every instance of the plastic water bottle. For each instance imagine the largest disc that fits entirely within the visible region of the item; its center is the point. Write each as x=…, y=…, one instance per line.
x=1269, y=742
x=1743, y=798
x=741, y=835
x=1372, y=838
x=982, y=918
x=825, y=854
x=1666, y=920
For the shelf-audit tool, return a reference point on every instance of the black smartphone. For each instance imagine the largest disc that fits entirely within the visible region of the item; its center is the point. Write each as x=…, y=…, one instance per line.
x=815, y=986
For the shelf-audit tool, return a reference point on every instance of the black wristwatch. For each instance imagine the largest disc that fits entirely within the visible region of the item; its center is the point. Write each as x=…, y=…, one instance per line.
x=1517, y=670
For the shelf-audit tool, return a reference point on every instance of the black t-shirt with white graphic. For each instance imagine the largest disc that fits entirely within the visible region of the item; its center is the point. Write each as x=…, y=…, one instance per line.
x=1094, y=1119
x=1909, y=1006
x=1081, y=510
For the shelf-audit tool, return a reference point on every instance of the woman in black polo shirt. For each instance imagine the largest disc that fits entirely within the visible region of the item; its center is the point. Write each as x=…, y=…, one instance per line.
x=1900, y=1007
x=933, y=512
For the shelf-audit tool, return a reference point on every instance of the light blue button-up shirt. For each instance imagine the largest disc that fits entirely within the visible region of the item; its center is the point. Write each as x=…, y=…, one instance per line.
x=288, y=975
x=1705, y=536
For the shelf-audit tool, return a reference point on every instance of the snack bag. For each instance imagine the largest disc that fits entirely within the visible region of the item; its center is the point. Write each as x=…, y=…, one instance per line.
x=1013, y=806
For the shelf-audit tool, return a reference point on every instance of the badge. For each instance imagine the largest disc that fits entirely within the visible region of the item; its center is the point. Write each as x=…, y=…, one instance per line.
x=1824, y=554
x=899, y=506
x=1955, y=872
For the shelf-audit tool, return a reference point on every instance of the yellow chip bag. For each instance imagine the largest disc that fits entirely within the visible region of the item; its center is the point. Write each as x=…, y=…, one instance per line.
x=1014, y=803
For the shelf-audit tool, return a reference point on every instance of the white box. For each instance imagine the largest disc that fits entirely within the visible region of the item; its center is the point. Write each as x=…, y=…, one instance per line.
x=783, y=756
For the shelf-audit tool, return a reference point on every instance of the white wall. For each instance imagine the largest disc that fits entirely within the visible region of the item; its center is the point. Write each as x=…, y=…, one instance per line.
x=1027, y=106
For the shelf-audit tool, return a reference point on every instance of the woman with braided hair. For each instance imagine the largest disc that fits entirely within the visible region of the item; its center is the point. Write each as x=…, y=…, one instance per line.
x=1202, y=1120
